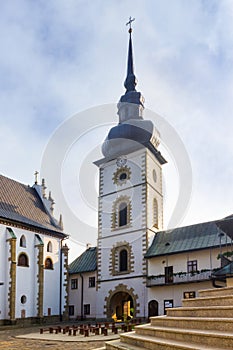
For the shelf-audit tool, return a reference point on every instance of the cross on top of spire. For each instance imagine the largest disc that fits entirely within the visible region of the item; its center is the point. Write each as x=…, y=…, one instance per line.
x=129, y=23
x=130, y=81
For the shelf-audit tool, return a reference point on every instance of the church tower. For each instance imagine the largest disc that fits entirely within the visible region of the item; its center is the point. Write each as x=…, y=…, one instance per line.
x=130, y=205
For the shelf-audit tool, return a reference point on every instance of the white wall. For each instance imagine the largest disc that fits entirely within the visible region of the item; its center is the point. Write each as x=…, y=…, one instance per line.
x=89, y=294
x=52, y=278
x=206, y=259
x=26, y=277
x=174, y=292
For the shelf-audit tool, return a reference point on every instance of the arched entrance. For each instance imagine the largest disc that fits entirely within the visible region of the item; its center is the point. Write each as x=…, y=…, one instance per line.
x=153, y=308
x=121, y=305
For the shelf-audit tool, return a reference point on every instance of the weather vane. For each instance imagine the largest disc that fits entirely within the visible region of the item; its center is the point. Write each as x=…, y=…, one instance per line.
x=129, y=23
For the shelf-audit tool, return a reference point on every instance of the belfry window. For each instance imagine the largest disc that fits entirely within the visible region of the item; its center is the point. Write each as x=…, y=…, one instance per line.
x=155, y=213
x=123, y=260
x=23, y=260
x=22, y=241
x=123, y=211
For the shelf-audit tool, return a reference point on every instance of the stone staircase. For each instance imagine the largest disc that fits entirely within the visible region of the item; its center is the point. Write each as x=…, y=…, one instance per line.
x=202, y=323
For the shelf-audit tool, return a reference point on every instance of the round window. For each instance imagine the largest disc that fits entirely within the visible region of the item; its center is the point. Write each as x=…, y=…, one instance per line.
x=123, y=176
x=23, y=299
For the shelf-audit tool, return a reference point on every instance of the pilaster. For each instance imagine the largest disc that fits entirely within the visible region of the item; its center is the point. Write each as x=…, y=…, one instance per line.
x=65, y=252
x=40, y=280
x=12, y=282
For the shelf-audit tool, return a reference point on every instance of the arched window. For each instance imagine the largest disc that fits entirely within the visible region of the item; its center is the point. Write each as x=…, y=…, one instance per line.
x=48, y=264
x=123, y=210
x=23, y=260
x=155, y=213
x=22, y=241
x=49, y=247
x=123, y=260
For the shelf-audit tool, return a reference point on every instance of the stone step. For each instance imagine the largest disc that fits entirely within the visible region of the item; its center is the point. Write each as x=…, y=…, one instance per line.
x=223, y=340
x=134, y=341
x=223, y=300
x=215, y=292
x=218, y=324
x=204, y=311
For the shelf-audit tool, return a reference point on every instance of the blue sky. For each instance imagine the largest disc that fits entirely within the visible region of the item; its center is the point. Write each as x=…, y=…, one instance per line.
x=61, y=57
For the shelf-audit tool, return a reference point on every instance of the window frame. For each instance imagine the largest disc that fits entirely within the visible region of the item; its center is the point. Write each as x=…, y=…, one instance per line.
x=50, y=266
x=192, y=266
x=87, y=309
x=91, y=282
x=155, y=213
x=71, y=310
x=189, y=295
x=22, y=241
x=19, y=263
x=123, y=260
x=74, y=283
x=123, y=214
x=168, y=272
x=49, y=247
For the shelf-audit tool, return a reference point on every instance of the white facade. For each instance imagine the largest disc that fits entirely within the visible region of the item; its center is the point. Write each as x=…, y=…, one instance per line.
x=26, y=277
x=130, y=215
x=82, y=295
x=33, y=257
x=184, y=284
x=142, y=192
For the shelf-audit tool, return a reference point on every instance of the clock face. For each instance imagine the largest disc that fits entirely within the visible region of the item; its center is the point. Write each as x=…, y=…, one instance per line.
x=121, y=161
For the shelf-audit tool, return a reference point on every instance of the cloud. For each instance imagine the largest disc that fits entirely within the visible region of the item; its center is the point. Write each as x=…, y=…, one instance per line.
x=61, y=57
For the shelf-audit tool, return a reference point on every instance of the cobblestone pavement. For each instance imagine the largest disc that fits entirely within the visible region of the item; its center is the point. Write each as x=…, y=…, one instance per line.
x=8, y=341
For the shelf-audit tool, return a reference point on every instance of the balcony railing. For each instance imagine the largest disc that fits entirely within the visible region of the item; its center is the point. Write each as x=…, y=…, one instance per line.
x=180, y=277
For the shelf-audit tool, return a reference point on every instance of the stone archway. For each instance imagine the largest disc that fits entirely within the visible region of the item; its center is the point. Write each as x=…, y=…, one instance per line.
x=121, y=303
x=153, y=308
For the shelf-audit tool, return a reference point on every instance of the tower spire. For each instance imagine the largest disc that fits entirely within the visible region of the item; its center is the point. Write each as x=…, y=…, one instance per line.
x=130, y=81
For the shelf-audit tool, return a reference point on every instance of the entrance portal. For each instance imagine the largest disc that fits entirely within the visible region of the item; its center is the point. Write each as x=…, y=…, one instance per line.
x=121, y=306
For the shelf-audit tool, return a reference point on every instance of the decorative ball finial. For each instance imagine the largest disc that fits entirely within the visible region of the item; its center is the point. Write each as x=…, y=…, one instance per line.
x=36, y=177
x=129, y=23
